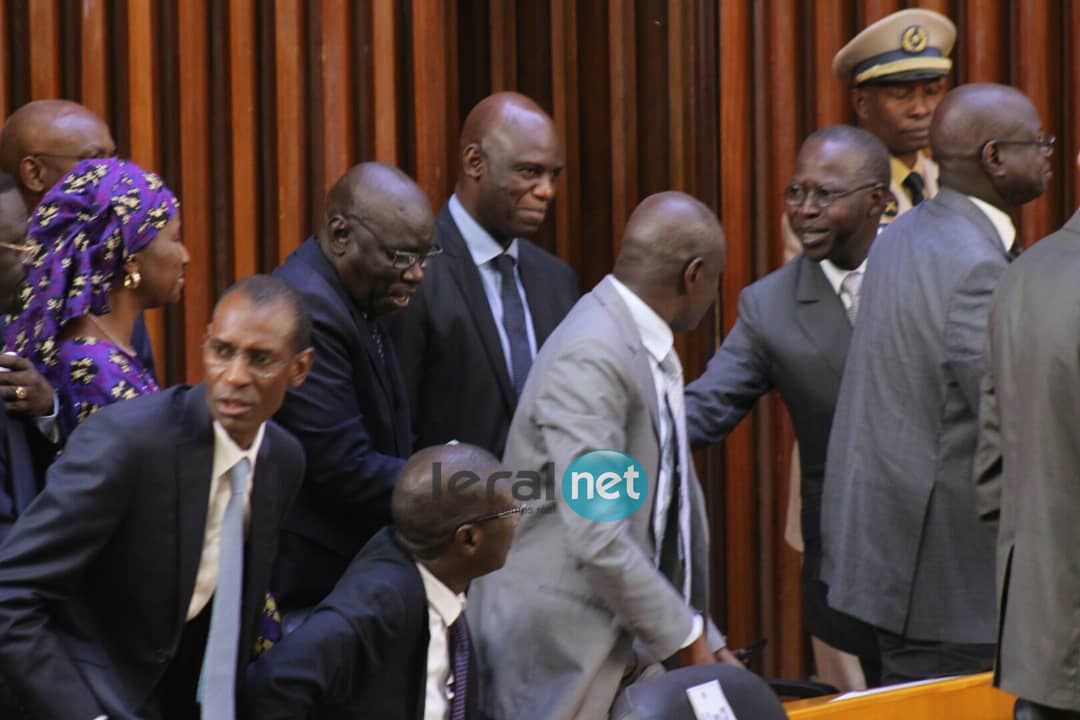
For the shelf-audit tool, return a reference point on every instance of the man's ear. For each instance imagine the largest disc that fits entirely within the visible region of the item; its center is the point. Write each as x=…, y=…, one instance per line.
x=32, y=174
x=990, y=159
x=300, y=367
x=472, y=161
x=878, y=197
x=693, y=273
x=859, y=101
x=339, y=234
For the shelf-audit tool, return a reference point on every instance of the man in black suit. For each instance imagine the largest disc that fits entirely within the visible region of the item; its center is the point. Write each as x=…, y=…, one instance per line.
x=351, y=415
x=130, y=580
x=390, y=641
x=468, y=339
x=792, y=335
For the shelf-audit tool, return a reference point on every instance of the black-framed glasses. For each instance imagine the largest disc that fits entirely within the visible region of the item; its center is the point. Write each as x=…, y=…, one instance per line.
x=819, y=197
x=516, y=510
x=1043, y=142
x=218, y=355
x=400, y=259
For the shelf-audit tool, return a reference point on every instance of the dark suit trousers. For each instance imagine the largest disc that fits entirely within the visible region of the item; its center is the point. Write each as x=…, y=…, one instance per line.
x=174, y=698
x=905, y=660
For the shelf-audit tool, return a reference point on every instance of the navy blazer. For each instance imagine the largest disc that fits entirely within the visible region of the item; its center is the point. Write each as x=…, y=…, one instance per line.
x=351, y=417
x=451, y=359
x=362, y=653
x=97, y=575
x=20, y=480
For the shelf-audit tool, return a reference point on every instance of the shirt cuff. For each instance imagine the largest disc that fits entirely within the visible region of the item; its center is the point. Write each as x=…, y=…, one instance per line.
x=49, y=427
x=695, y=632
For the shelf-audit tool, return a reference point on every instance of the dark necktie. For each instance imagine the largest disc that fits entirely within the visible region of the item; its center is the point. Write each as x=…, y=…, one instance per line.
x=377, y=338
x=673, y=545
x=1015, y=249
x=915, y=185
x=458, y=639
x=513, y=321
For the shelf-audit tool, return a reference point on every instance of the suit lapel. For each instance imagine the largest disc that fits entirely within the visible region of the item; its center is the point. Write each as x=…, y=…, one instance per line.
x=467, y=278
x=259, y=545
x=194, y=463
x=821, y=314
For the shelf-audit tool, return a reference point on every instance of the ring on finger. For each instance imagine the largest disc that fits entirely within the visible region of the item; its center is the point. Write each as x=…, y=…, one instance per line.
x=20, y=393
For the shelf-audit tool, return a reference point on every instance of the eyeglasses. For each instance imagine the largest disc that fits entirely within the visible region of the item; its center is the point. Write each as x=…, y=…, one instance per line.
x=1044, y=142
x=218, y=355
x=400, y=259
x=100, y=154
x=516, y=510
x=820, y=197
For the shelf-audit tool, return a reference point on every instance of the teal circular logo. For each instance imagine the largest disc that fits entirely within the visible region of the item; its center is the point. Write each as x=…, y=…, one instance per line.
x=605, y=486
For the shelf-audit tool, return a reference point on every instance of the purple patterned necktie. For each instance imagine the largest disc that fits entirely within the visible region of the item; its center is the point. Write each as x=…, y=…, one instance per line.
x=458, y=634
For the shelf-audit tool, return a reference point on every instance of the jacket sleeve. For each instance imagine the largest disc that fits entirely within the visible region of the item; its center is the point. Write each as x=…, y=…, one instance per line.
x=737, y=375
x=43, y=559
x=965, y=328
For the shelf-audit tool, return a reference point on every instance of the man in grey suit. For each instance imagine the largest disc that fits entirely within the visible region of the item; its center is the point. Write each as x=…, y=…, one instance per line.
x=792, y=335
x=1028, y=466
x=582, y=607
x=903, y=547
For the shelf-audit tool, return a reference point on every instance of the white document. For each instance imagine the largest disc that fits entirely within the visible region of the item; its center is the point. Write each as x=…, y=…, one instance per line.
x=709, y=702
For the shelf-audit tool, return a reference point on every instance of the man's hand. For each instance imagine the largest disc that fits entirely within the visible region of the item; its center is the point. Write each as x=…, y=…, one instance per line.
x=696, y=653
x=23, y=388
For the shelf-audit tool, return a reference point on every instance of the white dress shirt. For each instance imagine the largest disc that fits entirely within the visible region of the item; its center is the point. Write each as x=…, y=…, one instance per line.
x=658, y=341
x=226, y=454
x=999, y=219
x=483, y=249
x=444, y=607
x=836, y=275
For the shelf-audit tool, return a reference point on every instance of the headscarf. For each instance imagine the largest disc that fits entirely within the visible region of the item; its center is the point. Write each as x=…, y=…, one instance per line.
x=82, y=233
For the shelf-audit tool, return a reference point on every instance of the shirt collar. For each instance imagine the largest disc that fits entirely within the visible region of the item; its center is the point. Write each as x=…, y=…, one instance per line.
x=836, y=275
x=1000, y=219
x=482, y=246
x=444, y=601
x=656, y=336
x=900, y=170
x=227, y=453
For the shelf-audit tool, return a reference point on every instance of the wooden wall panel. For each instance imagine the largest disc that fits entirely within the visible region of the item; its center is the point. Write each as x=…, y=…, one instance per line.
x=252, y=108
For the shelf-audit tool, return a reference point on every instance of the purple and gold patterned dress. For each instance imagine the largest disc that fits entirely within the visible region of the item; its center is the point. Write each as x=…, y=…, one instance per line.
x=92, y=373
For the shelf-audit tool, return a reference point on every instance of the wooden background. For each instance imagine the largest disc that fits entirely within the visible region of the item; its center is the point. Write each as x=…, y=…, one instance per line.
x=250, y=109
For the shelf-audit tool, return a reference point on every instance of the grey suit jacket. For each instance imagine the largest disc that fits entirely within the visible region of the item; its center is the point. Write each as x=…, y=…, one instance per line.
x=792, y=335
x=580, y=604
x=903, y=547
x=1028, y=468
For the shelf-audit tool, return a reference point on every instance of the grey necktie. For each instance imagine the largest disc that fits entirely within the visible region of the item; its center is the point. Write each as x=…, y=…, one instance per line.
x=513, y=321
x=672, y=509
x=217, y=679
x=849, y=288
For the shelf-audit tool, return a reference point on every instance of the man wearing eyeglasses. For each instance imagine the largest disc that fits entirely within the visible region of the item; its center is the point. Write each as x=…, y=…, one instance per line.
x=792, y=335
x=470, y=335
x=41, y=141
x=352, y=416
x=391, y=641
x=903, y=546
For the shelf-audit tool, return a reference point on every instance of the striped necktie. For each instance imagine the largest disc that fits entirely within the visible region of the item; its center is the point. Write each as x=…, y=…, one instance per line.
x=458, y=636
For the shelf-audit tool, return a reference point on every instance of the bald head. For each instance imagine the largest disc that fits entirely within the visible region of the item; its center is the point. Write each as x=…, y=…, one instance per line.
x=986, y=138
x=433, y=494
x=44, y=139
x=510, y=159
x=376, y=219
x=672, y=256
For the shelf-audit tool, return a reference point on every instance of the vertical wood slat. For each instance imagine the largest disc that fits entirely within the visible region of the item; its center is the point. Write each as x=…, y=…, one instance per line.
x=1035, y=48
x=337, y=100
x=290, y=143
x=243, y=137
x=195, y=178
x=431, y=80
x=385, y=49
x=681, y=97
x=623, y=116
x=5, y=60
x=94, y=78
x=1070, y=142
x=141, y=65
x=503, y=46
x=832, y=28
x=985, y=44
x=872, y=10
x=736, y=201
x=44, y=19
x=565, y=109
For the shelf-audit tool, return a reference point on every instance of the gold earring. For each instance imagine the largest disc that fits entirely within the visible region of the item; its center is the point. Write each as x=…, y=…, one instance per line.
x=132, y=280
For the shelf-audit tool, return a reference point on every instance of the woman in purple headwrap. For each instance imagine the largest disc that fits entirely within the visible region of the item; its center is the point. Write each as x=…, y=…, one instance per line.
x=106, y=246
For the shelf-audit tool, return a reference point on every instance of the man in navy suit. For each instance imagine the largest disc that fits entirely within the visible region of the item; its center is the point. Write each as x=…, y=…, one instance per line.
x=792, y=335
x=390, y=641
x=351, y=415
x=468, y=339
x=113, y=581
